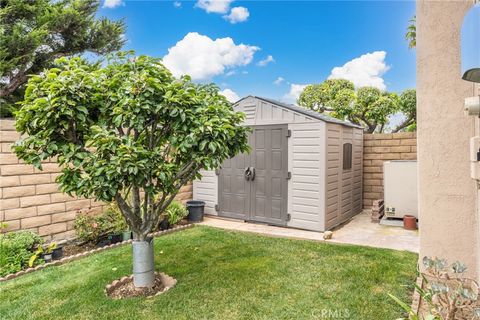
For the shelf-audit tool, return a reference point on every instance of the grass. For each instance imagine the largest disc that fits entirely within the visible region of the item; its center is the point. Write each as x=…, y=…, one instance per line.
x=223, y=275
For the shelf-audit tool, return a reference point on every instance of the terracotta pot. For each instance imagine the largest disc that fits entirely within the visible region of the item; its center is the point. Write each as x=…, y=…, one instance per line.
x=409, y=222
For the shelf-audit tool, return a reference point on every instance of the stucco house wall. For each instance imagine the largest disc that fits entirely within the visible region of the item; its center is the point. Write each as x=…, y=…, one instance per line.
x=449, y=225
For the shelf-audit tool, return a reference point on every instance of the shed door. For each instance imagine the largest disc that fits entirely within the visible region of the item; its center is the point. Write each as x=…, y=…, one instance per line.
x=233, y=189
x=269, y=188
x=263, y=199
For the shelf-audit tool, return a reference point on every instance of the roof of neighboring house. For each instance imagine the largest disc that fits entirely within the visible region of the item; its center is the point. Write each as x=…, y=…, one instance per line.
x=304, y=111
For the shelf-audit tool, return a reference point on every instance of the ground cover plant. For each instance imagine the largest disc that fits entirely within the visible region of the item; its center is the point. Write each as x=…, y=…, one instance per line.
x=16, y=249
x=224, y=275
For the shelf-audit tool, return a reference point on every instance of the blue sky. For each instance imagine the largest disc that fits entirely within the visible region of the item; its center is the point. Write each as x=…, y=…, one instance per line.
x=305, y=41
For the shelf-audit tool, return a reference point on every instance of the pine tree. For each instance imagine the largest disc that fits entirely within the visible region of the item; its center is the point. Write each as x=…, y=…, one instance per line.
x=33, y=33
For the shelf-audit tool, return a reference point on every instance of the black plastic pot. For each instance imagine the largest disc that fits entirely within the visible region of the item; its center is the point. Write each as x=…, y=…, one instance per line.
x=195, y=210
x=164, y=224
x=115, y=238
x=103, y=242
x=57, y=253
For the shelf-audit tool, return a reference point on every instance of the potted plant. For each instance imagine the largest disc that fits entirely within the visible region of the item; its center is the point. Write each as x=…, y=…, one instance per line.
x=115, y=237
x=126, y=235
x=116, y=224
x=164, y=224
x=175, y=212
x=42, y=253
x=57, y=253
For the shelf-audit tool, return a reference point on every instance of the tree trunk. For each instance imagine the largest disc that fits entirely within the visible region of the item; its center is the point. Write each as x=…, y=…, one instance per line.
x=143, y=262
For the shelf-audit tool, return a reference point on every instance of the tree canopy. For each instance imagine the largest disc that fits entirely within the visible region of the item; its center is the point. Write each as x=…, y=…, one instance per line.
x=126, y=129
x=33, y=33
x=367, y=106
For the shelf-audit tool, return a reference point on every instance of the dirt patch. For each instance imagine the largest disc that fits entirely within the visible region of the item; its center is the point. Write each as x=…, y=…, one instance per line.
x=124, y=288
x=71, y=249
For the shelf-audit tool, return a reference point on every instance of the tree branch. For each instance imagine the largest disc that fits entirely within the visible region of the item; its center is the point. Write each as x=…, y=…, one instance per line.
x=136, y=200
x=20, y=78
x=404, y=124
x=127, y=213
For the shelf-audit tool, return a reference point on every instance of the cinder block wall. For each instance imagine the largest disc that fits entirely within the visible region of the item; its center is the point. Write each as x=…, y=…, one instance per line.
x=30, y=200
x=378, y=148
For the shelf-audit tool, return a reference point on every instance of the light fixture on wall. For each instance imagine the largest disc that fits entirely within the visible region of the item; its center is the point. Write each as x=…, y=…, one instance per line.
x=472, y=75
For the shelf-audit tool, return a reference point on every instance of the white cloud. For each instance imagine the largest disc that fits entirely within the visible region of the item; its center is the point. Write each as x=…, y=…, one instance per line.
x=177, y=4
x=264, y=62
x=366, y=70
x=237, y=14
x=215, y=6
x=230, y=73
x=124, y=38
x=278, y=81
x=113, y=3
x=294, y=93
x=203, y=58
x=231, y=95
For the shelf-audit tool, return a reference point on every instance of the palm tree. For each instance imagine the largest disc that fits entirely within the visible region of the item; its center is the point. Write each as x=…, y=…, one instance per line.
x=411, y=35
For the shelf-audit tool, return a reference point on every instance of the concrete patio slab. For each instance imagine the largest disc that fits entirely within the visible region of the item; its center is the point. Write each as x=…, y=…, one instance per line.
x=357, y=231
x=361, y=231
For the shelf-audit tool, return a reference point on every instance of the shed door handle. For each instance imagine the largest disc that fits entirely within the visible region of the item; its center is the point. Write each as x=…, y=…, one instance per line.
x=247, y=173
x=252, y=170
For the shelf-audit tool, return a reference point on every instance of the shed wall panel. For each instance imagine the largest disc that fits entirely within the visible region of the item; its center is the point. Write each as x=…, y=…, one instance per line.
x=343, y=187
x=307, y=165
x=206, y=189
x=258, y=112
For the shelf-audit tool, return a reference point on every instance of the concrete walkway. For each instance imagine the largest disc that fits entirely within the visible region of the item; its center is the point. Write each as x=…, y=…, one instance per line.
x=358, y=231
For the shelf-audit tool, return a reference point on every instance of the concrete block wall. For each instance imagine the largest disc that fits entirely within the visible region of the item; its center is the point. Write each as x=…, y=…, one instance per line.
x=30, y=199
x=378, y=148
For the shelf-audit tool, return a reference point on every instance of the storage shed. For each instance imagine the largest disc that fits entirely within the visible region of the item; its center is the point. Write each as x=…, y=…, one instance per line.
x=304, y=169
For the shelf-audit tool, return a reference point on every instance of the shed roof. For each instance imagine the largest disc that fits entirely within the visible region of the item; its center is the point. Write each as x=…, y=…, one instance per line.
x=304, y=111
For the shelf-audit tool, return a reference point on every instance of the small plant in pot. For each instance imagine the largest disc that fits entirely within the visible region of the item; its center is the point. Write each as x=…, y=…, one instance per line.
x=126, y=235
x=164, y=224
x=42, y=253
x=116, y=224
x=103, y=229
x=57, y=253
x=175, y=212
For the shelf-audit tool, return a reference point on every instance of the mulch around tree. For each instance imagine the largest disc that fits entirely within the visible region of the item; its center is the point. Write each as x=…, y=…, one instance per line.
x=124, y=288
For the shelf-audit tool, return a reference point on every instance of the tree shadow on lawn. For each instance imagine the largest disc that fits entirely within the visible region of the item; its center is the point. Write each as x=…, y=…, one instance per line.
x=223, y=275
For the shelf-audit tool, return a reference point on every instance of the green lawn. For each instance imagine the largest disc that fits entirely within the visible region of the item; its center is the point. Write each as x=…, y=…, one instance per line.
x=223, y=275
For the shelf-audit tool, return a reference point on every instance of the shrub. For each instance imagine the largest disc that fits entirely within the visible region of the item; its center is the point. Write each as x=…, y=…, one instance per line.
x=16, y=248
x=91, y=228
x=175, y=212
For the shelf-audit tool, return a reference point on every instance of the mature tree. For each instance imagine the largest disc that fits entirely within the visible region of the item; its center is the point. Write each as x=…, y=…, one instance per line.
x=129, y=132
x=319, y=97
x=411, y=35
x=368, y=106
x=33, y=33
x=407, y=105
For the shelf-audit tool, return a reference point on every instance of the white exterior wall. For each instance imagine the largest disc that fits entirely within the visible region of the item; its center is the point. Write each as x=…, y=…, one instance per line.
x=306, y=162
